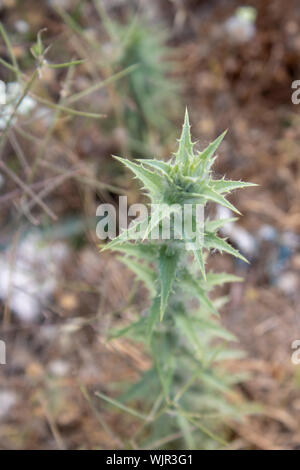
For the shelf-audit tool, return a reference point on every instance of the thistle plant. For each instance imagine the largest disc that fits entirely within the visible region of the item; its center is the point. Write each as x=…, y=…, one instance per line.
x=148, y=86
x=188, y=390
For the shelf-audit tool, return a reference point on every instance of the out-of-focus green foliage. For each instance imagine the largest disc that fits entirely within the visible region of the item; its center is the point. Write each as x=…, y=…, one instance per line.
x=149, y=87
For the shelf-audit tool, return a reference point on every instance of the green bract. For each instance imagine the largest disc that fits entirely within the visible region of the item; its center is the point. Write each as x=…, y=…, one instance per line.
x=187, y=358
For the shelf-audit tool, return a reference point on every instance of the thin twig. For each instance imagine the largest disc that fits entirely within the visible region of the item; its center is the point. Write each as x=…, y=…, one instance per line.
x=19, y=151
x=99, y=418
x=56, y=434
x=25, y=91
x=27, y=190
x=12, y=260
x=46, y=191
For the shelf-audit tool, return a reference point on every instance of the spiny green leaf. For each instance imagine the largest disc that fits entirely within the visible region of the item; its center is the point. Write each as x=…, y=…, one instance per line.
x=135, y=231
x=229, y=354
x=211, y=195
x=217, y=402
x=140, y=390
x=204, y=158
x=167, y=270
x=213, y=225
x=213, y=381
x=164, y=362
x=225, y=186
x=143, y=273
x=151, y=181
x=213, y=327
x=142, y=251
x=156, y=164
x=185, y=148
x=193, y=198
x=211, y=241
x=198, y=254
x=191, y=284
x=217, y=279
x=160, y=212
x=186, y=325
x=154, y=315
x=204, y=311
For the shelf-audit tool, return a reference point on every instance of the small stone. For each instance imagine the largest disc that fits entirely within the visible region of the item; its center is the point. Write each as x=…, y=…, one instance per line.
x=288, y=283
x=59, y=368
x=68, y=301
x=7, y=400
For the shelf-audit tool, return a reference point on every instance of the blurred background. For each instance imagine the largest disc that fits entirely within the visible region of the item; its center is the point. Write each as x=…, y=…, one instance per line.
x=143, y=63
